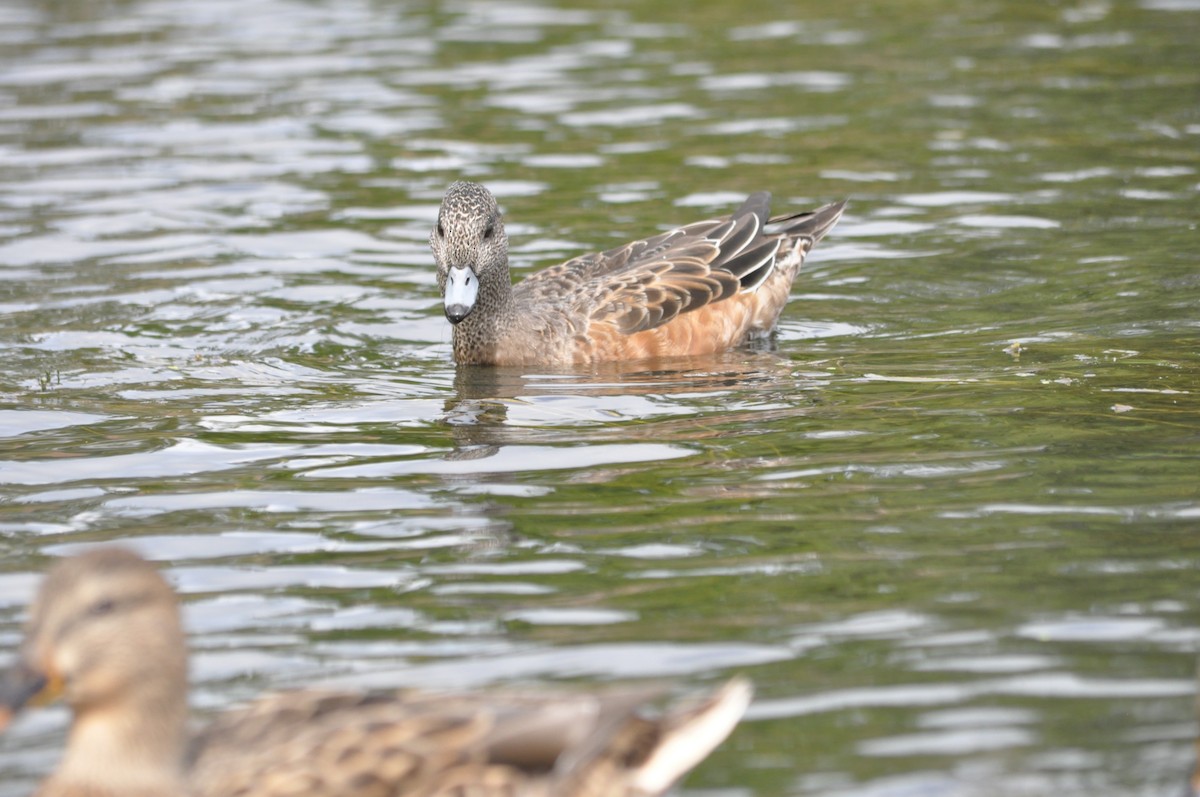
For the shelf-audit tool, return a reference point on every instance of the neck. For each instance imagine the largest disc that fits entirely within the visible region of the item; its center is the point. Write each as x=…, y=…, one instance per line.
x=477, y=335
x=129, y=749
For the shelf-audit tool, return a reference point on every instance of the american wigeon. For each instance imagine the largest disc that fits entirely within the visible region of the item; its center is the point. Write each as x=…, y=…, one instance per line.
x=104, y=633
x=696, y=289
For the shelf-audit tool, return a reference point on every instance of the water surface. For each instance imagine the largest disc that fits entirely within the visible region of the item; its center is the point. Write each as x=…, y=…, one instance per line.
x=947, y=521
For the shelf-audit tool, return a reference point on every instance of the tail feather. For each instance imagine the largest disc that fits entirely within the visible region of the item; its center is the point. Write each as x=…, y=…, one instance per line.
x=811, y=225
x=640, y=757
x=689, y=735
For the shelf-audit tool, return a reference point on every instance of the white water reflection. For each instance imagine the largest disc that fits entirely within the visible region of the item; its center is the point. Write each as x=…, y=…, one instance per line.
x=1057, y=686
x=647, y=660
x=511, y=459
x=19, y=422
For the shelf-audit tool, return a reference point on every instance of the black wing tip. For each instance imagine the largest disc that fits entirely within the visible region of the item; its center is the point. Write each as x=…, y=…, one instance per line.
x=758, y=204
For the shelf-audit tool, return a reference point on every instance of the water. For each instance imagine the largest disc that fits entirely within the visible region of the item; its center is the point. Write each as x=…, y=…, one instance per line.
x=947, y=522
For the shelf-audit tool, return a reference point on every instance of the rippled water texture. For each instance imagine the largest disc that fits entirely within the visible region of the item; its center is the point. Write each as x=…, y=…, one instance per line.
x=948, y=522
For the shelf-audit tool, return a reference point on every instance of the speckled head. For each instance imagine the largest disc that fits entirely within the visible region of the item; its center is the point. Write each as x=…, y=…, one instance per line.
x=470, y=248
x=105, y=626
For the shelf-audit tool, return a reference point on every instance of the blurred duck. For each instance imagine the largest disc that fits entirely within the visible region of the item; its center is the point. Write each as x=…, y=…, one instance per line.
x=104, y=634
x=693, y=290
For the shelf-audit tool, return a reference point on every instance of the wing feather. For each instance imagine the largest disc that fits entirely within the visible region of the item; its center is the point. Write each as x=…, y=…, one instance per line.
x=397, y=742
x=754, y=265
x=647, y=283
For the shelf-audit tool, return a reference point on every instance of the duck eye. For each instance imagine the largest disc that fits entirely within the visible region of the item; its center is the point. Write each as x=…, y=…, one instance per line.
x=487, y=234
x=102, y=607
x=441, y=231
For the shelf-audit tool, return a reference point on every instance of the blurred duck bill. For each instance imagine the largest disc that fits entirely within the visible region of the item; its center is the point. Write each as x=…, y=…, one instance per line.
x=20, y=685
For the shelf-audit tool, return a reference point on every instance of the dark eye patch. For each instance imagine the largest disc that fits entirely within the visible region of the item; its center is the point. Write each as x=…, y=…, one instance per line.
x=104, y=606
x=101, y=607
x=489, y=232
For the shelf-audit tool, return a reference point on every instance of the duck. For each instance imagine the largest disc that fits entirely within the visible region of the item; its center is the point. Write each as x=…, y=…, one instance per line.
x=692, y=290
x=104, y=634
